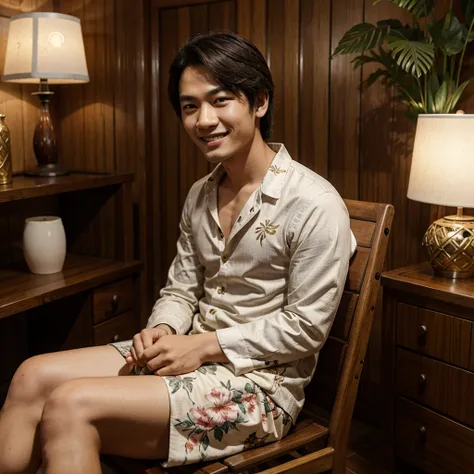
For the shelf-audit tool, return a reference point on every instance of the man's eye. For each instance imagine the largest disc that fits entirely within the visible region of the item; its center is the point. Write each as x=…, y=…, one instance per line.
x=188, y=106
x=221, y=100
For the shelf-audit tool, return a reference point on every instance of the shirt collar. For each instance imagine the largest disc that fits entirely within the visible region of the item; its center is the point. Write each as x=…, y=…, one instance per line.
x=274, y=179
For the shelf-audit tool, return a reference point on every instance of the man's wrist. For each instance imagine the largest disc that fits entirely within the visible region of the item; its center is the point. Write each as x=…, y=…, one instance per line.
x=209, y=348
x=167, y=328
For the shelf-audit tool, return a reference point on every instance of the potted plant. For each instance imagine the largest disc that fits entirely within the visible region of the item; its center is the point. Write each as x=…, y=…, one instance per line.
x=422, y=60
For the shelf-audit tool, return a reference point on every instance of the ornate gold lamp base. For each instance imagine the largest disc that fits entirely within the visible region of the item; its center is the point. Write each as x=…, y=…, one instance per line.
x=449, y=246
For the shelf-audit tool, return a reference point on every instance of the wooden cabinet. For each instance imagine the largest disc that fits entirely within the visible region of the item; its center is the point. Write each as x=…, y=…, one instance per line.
x=94, y=299
x=428, y=329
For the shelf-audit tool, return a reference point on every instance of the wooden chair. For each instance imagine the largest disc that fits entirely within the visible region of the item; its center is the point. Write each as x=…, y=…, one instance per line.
x=339, y=367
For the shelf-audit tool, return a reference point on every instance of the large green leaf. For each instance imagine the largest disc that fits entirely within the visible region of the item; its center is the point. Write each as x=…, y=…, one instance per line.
x=418, y=8
x=447, y=35
x=414, y=57
x=362, y=37
x=455, y=96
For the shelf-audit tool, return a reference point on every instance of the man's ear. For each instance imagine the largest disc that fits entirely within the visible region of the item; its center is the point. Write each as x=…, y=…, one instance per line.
x=261, y=106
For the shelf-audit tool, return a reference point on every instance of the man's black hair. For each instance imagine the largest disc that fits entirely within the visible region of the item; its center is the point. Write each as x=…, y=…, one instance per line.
x=235, y=63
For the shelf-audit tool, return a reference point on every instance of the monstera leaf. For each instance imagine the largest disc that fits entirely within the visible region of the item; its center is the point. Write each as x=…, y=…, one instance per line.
x=414, y=57
x=365, y=36
x=418, y=8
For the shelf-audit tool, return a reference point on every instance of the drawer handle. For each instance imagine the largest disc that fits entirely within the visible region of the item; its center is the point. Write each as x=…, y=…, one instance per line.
x=423, y=330
x=422, y=380
x=115, y=302
x=423, y=431
x=116, y=338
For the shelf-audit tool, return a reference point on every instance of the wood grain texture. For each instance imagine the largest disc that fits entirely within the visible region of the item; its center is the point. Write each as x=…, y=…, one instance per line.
x=21, y=290
x=435, y=334
x=315, y=44
x=435, y=384
x=444, y=442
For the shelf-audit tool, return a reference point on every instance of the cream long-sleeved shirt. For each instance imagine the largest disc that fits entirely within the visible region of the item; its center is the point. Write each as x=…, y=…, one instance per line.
x=271, y=291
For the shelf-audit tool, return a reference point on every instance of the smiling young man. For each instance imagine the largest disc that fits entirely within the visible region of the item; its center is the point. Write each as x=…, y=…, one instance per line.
x=233, y=340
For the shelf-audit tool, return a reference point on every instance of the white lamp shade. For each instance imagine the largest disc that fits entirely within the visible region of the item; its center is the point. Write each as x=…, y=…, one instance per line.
x=442, y=168
x=45, y=46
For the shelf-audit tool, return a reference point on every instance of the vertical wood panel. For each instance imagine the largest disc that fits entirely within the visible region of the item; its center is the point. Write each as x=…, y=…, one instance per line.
x=72, y=140
x=314, y=84
x=276, y=61
x=344, y=105
x=169, y=132
x=291, y=54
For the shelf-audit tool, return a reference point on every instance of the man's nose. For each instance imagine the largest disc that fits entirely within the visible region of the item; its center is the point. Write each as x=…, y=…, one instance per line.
x=207, y=117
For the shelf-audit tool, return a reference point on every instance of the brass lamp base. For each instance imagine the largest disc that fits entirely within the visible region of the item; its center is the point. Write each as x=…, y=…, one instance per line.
x=449, y=246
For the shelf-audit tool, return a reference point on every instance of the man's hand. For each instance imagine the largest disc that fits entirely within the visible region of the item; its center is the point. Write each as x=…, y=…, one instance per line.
x=176, y=355
x=143, y=340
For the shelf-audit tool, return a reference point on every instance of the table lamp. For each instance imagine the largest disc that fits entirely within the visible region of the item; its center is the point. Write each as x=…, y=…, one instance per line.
x=45, y=48
x=442, y=173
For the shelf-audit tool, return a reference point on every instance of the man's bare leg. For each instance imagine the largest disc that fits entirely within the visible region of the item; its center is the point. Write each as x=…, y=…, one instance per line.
x=128, y=416
x=32, y=384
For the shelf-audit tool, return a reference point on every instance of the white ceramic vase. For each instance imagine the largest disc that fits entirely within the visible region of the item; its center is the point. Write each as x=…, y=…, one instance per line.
x=44, y=244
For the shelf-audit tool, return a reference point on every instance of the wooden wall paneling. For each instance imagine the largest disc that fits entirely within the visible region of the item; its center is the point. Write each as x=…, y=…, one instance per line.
x=276, y=61
x=251, y=22
x=154, y=178
x=169, y=139
x=376, y=178
x=70, y=106
x=222, y=16
x=93, y=31
x=292, y=18
x=344, y=105
x=315, y=42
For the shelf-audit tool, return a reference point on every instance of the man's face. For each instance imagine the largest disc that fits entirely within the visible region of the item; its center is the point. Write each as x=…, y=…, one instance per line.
x=219, y=122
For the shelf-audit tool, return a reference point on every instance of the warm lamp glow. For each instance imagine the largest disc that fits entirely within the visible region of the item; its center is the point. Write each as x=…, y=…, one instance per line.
x=45, y=46
x=442, y=168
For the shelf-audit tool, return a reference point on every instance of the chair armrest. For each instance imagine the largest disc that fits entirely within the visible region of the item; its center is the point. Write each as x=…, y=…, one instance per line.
x=298, y=439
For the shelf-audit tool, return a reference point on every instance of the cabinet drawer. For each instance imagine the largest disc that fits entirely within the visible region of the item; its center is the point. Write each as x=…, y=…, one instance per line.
x=120, y=328
x=438, y=385
x=432, y=437
x=435, y=334
x=113, y=299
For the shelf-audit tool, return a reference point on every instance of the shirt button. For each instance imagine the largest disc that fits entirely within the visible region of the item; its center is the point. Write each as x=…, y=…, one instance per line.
x=239, y=219
x=224, y=257
x=220, y=290
x=251, y=209
x=212, y=311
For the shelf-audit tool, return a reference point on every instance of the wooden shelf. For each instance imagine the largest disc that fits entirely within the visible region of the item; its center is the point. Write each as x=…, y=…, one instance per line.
x=24, y=187
x=21, y=290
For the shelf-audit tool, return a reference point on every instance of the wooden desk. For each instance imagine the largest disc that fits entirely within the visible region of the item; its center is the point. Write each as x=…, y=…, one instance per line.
x=94, y=299
x=429, y=356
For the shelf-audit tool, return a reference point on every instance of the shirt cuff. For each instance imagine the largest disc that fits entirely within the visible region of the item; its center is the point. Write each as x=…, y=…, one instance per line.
x=233, y=345
x=178, y=324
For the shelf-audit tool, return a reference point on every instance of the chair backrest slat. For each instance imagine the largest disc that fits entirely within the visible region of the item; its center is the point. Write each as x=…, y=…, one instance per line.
x=342, y=357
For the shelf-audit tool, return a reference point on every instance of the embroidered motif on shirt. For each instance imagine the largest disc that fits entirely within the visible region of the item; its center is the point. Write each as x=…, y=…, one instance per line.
x=275, y=170
x=265, y=229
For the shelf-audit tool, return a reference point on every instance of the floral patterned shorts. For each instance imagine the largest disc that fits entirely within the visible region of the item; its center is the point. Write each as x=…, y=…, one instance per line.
x=215, y=414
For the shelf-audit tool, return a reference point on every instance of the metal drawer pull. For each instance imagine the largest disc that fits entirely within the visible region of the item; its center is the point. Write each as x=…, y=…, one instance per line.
x=422, y=431
x=115, y=302
x=422, y=379
x=423, y=330
x=116, y=338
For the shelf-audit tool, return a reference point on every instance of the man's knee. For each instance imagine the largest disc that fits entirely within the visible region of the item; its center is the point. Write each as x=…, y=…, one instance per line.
x=67, y=405
x=33, y=381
